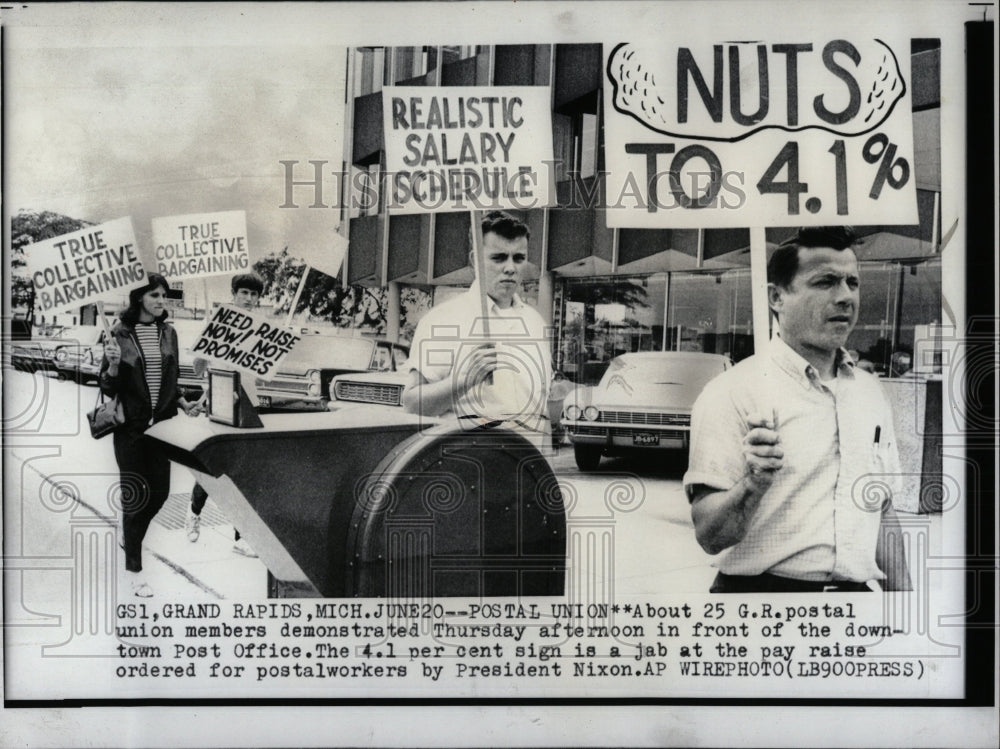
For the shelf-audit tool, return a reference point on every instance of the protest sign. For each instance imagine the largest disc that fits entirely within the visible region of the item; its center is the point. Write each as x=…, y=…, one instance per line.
x=325, y=259
x=95, y=263
x=781, y=132
x=461, y=148
x=237, y=339
x=201, y=244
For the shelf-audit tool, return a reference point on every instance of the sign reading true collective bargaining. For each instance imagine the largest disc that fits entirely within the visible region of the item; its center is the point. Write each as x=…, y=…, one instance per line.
x=201, y=244
x=778, y=132
x=237, y=339
x=92, y=264
x=455, y=148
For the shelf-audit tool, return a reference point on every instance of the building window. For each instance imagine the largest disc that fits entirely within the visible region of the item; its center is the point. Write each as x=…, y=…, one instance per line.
x=365, y=191
x=711, y=312
x=575, y=145
x=369, y=70
x=606, y=317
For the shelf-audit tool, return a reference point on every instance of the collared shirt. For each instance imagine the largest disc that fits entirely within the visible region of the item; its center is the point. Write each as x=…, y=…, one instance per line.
x=448, y=334
x=820, y=518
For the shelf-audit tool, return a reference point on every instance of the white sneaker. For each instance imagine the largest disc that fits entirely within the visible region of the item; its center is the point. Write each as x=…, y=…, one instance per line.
x=140, y=588
x=242, y=547
x=192, y=525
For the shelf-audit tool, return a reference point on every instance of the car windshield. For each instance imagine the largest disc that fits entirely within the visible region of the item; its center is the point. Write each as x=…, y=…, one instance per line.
x=664, y=370
x=329, y=352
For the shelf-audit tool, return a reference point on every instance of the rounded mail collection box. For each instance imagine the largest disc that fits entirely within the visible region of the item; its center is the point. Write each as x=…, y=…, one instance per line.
x=453, y=511
x=347, y=505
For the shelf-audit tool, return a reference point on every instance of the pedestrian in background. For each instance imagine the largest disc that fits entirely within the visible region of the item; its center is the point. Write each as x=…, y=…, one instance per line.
x=246, y=289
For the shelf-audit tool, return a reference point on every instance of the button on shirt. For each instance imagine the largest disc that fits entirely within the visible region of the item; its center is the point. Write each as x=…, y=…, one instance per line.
x=820, y=518
x=450, y=332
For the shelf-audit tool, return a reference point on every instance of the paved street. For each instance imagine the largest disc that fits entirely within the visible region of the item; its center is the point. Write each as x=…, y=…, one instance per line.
x=630, y=530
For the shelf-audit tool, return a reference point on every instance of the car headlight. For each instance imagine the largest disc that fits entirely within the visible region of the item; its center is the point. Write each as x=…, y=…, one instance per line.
x=590, y=413
x=315, y=382
x=573, y=412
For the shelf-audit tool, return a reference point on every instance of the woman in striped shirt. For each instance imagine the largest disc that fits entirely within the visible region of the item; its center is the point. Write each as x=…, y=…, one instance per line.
x=140, y=367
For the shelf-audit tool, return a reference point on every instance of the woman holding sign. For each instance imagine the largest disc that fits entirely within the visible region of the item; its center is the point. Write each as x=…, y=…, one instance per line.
x=140, y=367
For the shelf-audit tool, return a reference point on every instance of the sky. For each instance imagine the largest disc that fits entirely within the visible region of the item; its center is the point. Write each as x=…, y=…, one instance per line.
x=101, y=125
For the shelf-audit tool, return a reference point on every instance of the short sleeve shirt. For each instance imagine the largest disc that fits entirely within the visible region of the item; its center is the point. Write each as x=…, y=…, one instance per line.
x=450, y=332
x=820, y=518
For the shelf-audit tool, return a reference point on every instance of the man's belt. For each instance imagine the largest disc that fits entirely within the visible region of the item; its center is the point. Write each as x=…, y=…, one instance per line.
x=767, y=583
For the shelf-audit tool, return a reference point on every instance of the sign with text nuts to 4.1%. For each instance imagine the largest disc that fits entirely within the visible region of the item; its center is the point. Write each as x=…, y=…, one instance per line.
x=782, y=132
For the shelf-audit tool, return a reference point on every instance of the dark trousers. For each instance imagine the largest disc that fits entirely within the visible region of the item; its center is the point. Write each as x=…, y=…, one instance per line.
x=198, y=498
x=145, y=485
x=765, y=583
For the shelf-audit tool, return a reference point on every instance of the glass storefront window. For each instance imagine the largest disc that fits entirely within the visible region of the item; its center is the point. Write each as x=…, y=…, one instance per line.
x=896, y=299
x=606, y=317
x=711, y=312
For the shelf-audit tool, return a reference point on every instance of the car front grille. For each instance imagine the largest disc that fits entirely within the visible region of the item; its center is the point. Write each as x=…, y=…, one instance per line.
x=364, y=392
x=590, y=431
x=667, y=434
x=642, y=417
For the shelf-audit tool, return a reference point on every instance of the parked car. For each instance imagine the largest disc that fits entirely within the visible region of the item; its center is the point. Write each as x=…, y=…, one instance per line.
x=80, y=359
x=643, y=402
x=303, y=380
x=39, y=353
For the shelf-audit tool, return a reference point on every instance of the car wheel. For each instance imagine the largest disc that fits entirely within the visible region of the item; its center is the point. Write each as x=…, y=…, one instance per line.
x=588, y=457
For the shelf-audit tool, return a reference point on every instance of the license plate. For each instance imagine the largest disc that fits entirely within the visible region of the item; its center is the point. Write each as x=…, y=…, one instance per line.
x=645, y=438
x=263, y=401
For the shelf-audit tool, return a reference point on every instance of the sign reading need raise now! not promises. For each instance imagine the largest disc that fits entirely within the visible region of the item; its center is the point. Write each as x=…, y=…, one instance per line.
x=201, y=244
x=92, y=264
x=237, y=339
x=776, y=132
x=459, y=148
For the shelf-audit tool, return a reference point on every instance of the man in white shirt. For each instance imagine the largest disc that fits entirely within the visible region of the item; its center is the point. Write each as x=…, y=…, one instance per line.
x=793, y=459
x=485, y=370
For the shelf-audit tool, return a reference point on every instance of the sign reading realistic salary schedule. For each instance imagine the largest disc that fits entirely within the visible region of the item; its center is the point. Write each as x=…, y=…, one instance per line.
x=459, y=148
x=779, y=132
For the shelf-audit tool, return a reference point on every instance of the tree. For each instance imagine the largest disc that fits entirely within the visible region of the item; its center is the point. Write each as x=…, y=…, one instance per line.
x=28, y=227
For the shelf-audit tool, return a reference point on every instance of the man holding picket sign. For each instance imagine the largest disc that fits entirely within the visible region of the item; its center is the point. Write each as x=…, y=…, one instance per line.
x=483, y=356
x=246, y=288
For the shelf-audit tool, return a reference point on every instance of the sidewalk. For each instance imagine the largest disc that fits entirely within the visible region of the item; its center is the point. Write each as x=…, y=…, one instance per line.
x=175, y=568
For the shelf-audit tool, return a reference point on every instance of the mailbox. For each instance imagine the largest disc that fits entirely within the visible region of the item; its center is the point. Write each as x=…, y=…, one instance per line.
x=356, y=504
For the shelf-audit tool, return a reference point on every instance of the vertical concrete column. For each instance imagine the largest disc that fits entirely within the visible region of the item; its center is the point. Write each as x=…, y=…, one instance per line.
x=393, y=311
x=545, y=296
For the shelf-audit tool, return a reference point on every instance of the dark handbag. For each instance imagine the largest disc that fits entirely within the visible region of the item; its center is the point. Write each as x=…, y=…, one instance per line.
x=106, y=417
